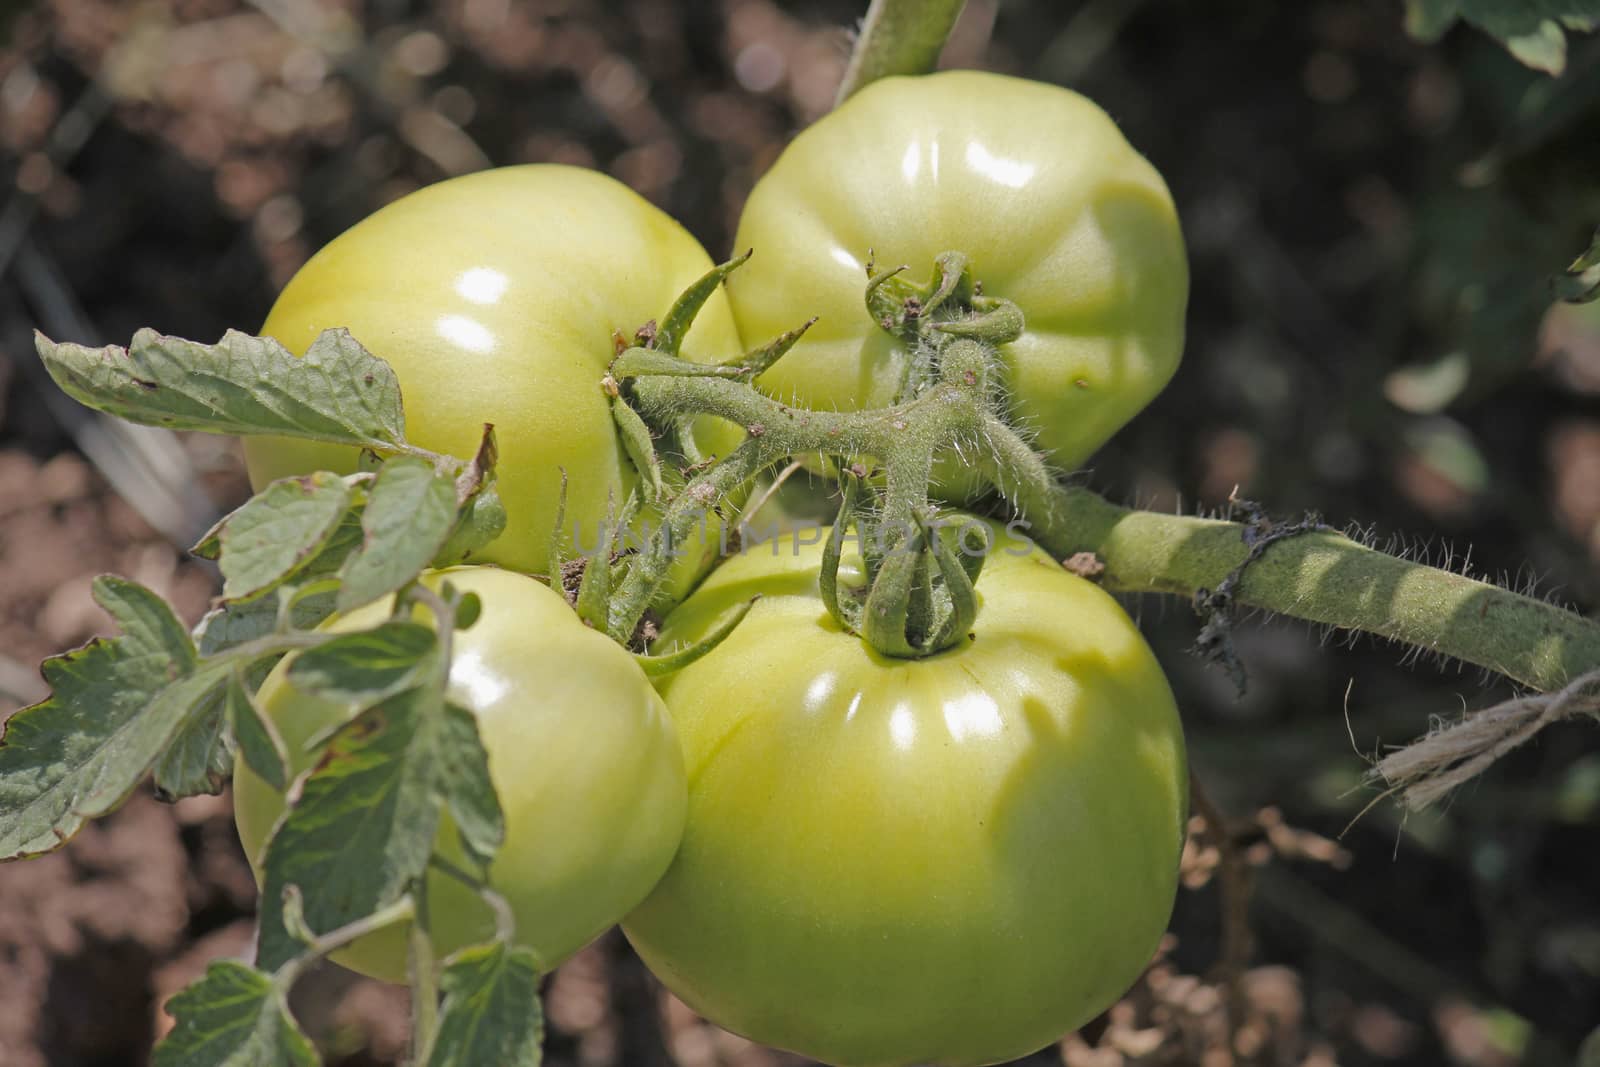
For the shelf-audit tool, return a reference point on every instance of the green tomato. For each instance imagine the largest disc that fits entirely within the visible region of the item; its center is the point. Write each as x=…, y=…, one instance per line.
x=495, y=298
x=952, y=860
x=1037, y=186
x=582, y=753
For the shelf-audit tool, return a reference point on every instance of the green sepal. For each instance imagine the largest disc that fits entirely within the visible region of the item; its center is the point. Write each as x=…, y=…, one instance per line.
x=673, y=328
x=637, y=362
x=658, y=665
x=846, y=612
x=950, y=278
x=959, y=572
x=594, y=589
x=920, y=607
x=683, y=437
x=887, y=610
x=887, y=293
x=994, y=319
x=556, y=557
x=757, y=361
x=640, y=446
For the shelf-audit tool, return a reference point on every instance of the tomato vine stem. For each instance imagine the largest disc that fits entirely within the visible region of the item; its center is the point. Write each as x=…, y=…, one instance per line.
x=1323, y=577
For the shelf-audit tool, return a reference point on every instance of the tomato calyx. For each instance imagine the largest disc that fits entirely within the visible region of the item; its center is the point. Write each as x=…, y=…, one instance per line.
x=927, y=318
x=917, y=598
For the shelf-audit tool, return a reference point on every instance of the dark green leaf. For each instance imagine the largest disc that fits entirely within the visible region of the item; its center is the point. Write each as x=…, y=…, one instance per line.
x=491, y=1010
x=199, y=760
x=257, y=739
x=279, y=531
x=361, y=826
x=365, y=667
x=469, y=792
x=236, y=624
x=235, y=1016
x=241, y=385
x=410, y=512
x=114, y=707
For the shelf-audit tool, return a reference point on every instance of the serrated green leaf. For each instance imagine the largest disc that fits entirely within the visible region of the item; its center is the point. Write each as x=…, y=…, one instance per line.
x=237, y=624
x=279, y=532
x=362, y=825
x=491, y=1011
x=257, y=739
x=364, y=668
x=469, y=792
x=234, y=1016
x=339, y=392
x=410, y=512
x=114, y=707
x=199, y=759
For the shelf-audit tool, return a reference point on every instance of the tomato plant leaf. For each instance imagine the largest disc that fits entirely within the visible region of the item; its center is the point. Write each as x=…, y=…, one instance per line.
x=1531, y=30
x=115, y=705
x=361, y=824
x=491, y=1011
x=255, y=736
x=410, y=512
x=279, y=532
x=240, y=623
x=234, y=1016
x=199, y=759
x=339, y=392
x=469, y=792
x=366, y=667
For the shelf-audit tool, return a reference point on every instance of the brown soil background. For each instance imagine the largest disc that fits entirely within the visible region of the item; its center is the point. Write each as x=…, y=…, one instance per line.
x=1353, y=201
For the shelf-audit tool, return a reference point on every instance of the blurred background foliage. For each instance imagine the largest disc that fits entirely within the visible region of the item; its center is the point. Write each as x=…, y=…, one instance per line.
x=1373, y=224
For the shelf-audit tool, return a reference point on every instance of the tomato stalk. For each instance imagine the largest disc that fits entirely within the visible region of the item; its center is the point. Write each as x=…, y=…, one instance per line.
x=899, y=37
x=955, y=412
x=947, y=403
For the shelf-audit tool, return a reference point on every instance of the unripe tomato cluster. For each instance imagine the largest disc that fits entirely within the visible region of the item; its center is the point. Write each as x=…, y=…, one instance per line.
x=867, y=860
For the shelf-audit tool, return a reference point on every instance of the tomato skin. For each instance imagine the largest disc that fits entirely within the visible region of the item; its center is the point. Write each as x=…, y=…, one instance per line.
x=953, y=860
x=1053, y=207
x=582, y=754
x=495, y=296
